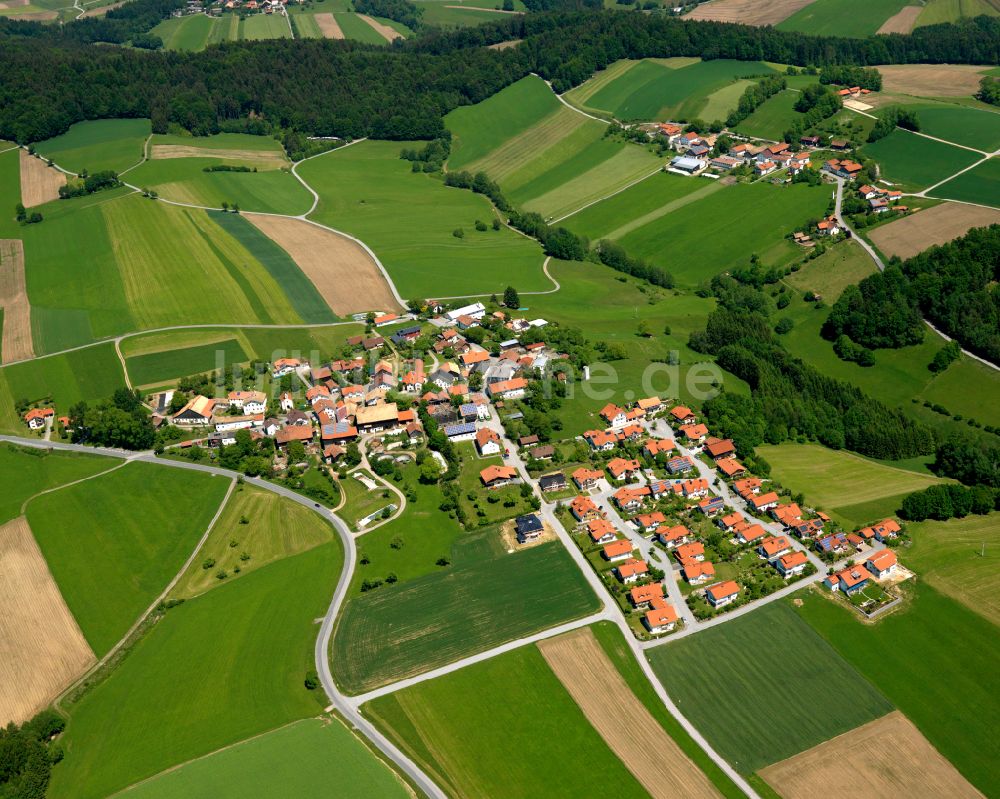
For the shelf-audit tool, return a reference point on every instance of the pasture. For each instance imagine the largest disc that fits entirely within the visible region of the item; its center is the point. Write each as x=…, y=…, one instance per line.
x=100, y=144
x=195, y=31
x=265, y=26
x=10, y=192
x=114, y=542
x=155, y=368
x=916, y=162
x=858, y=18
x=768, y=654
x=909, y=235
x=468, y=730
x=833, y=271
x=256, y=523
x=959, y=558
x=969, y=126
x=355, y=28
x=772, y=118
x=852, y=489
x=979, y=185
x=397, y=631
x=307, y=758
x=938, y=11
x=409, y=219
x=460, y=14
x=178, y=680
x=934, y=654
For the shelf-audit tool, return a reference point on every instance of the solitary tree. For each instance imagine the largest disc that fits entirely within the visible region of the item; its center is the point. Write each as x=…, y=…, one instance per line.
x=510, y=297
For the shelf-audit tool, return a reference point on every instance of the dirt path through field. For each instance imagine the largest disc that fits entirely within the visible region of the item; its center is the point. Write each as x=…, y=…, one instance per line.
x=624, y=723
x=16, y=339
x=887, y=757
x=100, y=12
x=387, y=33
x=902, y=21
x=329, y=26
x=41, y=646
x=748, y=12
x=39, y=183
x=343, y=273
x=269, y=157
x=915, y=233
x=489, y=10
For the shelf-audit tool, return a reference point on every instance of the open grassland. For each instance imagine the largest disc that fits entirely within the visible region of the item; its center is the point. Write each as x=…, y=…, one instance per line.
x=15, y=325
x=10, y=190
x=720, y=102
x=102, y=144
x=933, y=655
x=469, y=729
x=257, y=523
x=959, y=558
x=979, y=185
x=843, y=484
x=192, y=32
x=216, y=670
x=408, y=220
x=580, y=95
x=341, y=272
x=312, y=757
x=25, y=472
x=772, y=118
x=356, y=29
x=842, y=17
x=154, y=368
x=764, y=687
x=459, y=13
x=828, y=275
x=889, y=757
x=722, y=230
x=748, y=12
x=969, y=126
x=39, y=183
x=622, y=721
x=938, y=11
x=916, y=162
x=912, y=234
x=265, y=26
x=400, y=630
x=113, y=543
x=932, y=80
x=43, y=647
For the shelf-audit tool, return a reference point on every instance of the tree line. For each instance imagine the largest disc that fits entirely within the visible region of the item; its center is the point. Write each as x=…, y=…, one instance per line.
x=27, y=755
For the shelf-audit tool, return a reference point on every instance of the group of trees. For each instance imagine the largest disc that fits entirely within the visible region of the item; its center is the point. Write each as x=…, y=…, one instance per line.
x=951, y=501
x=88, y=184
x=893, y=117
x=816, y=103
x=121, y=422
x=431, y=157
x=879, y=312
x=845, y=75
x=989, y=90
x=27, y=756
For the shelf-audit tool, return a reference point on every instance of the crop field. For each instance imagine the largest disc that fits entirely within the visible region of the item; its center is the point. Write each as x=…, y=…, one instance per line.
x=889, y=757
x=114, y=542
x=932, y=655
x=902, y=21
x=938, y=11
x=355, y=28
x=460, y=14
x=969, y=126
x=409, y=220
x=747, y=12
x=265, y=26
x=720, y=102
x=912, y=234
x=311, y=757
x=39, y=183
x=216, y=670
x=25, y=472
x=468, y=729
x=10, y=191
x=240, y=148
x=914, y=161
x=397, y=631
x=842, y=17
x=979, y=185
x=783, y=691
x=772, y=118
x=155, y=368
x=101, y=144
x=959, y=558
x=43, y=647
x=195, y=31
x=843, y=484
x=932, y=80
x=15, y=324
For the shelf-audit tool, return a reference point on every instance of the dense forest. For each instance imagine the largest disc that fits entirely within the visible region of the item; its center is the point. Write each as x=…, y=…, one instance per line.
x=27, y=754
x=878, y=312
x=53, y=77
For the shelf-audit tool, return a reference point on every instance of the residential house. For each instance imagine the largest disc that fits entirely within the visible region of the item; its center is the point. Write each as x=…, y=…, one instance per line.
x=617, y=550
x=406, y=335
x=750, y=534
x=649, y=522
x=37, y=418
x=722, y=594
x=488, y=442
x=630, y=499
x=583, y=509
x=762, y=168
x=774, y=547
x=498, y=476
x=649, y=405
x=843, y=169
x=284, y=366
x=763, y=502
x=711, y=506
x=660, y=620
x=386, y=319
x=601, y=441
x=791, y=564
x=550, y=483
x=698, y=572
x=731, y=467
x=658, y=446
x=543, y=453
x=797, y=162
x=672, y=537
x=719, y=449
x=631, y=570
x=680, y=465
x=788, y=515
x=644, y=596
x=691, y=551
x=886, y=530
x=809, y=141
x=694, y=433
x=729, y=521
x=692, y=489
x=683, y=415
x=250, y=402
x=882, y=564
x=508, y=389
x=622, y=469
x=613, y=415
x=850, y=580
x=586, y=479
x=835, y=543
x=528, y=527
x=286, y=435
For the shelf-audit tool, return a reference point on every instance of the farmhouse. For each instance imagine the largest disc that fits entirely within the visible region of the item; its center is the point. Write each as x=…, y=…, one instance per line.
x=688, y=163
x=632, y=570
x=586, y=479
x=843, y=169
x=487, y=442
x=251, y=402
x=601, y=531
x=286, y=435
x=508, y=389
x=660, y=620
x=284, y=366
x=722, y=594
x=617, y=550
x=698, y=572
x=37, y=417
x=226, y=423
x=882, y=564
x=475, y=311
x=529, y=528
x=377, y=417
x=497, y=476
x=198, y=411
x=791, y=564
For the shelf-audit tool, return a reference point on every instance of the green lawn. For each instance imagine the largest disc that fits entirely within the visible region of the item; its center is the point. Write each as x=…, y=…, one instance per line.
x=26, y=472
x=484, y=598
x=102, y=144
x=934, y=655
x=155, y=368
x=764, y=687
x=914, y=161
x=832, y=272
x=854, y=490
x=307, y=758
x=216, y=670
x=959, y=558
x=858, y=18
x=470, y=484
x=265, y=26
x=408, y=220
x=979, y=185
x=360, y=501
x=114, y=542
x=772, y=118
x=505, y=727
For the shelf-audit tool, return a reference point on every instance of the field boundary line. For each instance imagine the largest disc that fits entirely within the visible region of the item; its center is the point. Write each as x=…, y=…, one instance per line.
x=925, y=135
x=569, y=105
x=608, y=196
x=545, y=271
x=952, y=177
x=663, y=210
x=24, y=505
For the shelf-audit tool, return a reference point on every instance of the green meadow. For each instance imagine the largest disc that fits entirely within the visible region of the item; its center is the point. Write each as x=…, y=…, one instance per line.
x=772, y=118
x=26, y=472
x=214, y=671
x=858, y=18
x=979, y=185
x=915, y=161
x=195, y=31
x=158, y=367
x=114, y=543
x=969, y=126
x=265, y=26
x=765, y=687
x=938, y=11
x=449, y=14
x=101, y=144
x=307, y=758
x=10, y=192
x=409, y=219
x=356, y=29
x=505, y=727
x=399, y=630
x=933, y=655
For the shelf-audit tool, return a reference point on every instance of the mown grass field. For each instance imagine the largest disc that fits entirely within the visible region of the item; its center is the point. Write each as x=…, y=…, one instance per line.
x=357, y=29
x=980, y=185
x=765, y=687
x=359, y=502
x=969, y=126
x=114, y=542
x=265, y=26
x=308, y=758
x=396, y=631
x=154, y=368
x=720, y=102
x=841, y=17
x=935, y=654
x=214, y=671
x=10, y=191
x=101, y=144
x=854, y=490
x=408, y=220
x=959, y=558
x=505, y=727
x=195, y=31
x=772, y=118
x=938, y=11
x=916, y=162
x=437, y=12
x=26, y=472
